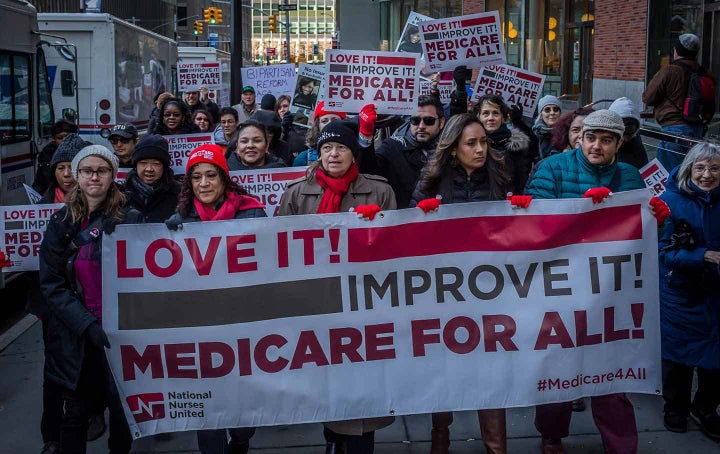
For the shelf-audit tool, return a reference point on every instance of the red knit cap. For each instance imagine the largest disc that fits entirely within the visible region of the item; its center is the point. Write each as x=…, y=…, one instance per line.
x=320, y=111
x=209, y=153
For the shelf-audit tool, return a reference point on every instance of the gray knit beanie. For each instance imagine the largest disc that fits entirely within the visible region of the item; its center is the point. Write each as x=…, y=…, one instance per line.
x=95, y=150
x=67, y=149
x=687, y=45
x=548, y=100
x=604, y=120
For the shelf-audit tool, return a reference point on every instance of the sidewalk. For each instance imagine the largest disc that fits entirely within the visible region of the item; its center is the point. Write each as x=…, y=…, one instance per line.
x=21, y=396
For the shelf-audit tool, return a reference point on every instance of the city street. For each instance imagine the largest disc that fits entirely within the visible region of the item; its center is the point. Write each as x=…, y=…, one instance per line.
x=21, y=392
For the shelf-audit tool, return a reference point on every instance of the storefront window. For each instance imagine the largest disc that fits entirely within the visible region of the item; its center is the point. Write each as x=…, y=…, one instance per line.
x=670, y=19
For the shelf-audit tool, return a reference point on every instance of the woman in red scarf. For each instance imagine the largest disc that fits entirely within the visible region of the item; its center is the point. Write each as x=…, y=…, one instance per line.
x=208, y=194
x=333, y=185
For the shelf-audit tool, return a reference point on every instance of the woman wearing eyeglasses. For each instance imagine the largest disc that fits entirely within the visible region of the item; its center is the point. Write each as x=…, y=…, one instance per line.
x=548, y=115
x=203, y=120
x=689, y=295
x=70, y=278
x=175, y=118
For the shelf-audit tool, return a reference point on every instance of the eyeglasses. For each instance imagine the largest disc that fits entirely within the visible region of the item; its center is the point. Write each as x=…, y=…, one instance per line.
x=700, y=170
x=427, y=121
x=87, y=172
x=172, y=115
x=116, y=140
x=201, y=119
x=549, y=109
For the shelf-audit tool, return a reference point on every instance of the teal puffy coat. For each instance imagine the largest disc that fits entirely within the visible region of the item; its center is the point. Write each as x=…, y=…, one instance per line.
x=568, y=175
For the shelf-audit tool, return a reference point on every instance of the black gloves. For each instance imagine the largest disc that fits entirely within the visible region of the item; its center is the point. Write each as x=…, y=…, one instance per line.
x=460, y=75
x=287, y=121
x=97, y=336
x=516, y=113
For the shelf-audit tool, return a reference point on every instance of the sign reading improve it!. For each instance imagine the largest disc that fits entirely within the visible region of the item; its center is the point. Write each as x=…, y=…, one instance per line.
x=194, y=76
x=515, y=85
x=474, y=40
x=180, y=146
x=387, y=79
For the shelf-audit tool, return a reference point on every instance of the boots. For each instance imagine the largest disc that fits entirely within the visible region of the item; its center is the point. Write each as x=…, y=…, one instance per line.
x=441, y=432
x=492, y=428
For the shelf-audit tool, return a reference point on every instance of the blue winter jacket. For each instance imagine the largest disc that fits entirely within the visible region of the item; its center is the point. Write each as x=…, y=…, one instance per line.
x=306, y=157
x=568, y=175
x=689, y=286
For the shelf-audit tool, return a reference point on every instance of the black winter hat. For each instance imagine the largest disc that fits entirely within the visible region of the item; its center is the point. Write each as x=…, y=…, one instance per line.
x=269, y=119
x=268, y=102
x=342, y=132
x=67, y=149
x=687, y=45
x=151, y=146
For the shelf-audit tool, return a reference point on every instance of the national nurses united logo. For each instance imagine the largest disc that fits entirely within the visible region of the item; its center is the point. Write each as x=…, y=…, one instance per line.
x=147, y=406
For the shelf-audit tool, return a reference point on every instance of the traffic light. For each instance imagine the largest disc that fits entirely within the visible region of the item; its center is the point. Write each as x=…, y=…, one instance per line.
x=211, y=17
x=218, y=15
x=206, y=15
x=198, y=28
x=272, y=23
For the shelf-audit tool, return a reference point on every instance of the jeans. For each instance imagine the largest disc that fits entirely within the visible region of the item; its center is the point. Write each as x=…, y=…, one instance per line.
x=614, y=417
x=214, y=441
x=671, y=154
x=677, y=387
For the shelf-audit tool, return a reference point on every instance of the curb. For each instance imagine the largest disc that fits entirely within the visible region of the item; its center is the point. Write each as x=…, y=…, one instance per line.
x=15, y=331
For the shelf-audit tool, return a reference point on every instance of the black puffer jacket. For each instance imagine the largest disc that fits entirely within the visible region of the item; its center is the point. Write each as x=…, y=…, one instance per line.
x=154, y=207
x=517, y=149
x=271, y=162
x=65, y=346
x=400, y=160
x=456, y=186
x=633, y=152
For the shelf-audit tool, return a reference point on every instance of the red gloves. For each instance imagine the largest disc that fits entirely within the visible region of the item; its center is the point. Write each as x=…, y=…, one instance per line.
x=597, y=194
x=367, y=211
x=4, y=262
x=520, y=201
x=428, y=205
x=367, y=117
x=660, y=210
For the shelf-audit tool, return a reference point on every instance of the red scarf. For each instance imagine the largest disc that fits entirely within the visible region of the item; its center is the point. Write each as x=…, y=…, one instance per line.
x=232, y=204
x=59, y=196
x=335, y=189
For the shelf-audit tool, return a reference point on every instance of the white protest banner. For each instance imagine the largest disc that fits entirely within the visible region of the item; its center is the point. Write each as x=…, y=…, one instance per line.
x=307, y=88
x=444, y=86
x=655, y=176
x=387, y=79
x=298, y=319
x=515, y=85
x=33, y=196
x=22, y=231
x=181, y=145
x=267, y=184
x=122, y=174
x=194, y=76
x=274, y=79
x=410, y=38
x=474, y=40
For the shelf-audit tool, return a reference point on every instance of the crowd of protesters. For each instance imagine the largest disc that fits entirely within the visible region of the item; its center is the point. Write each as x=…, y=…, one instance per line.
x=456, y=153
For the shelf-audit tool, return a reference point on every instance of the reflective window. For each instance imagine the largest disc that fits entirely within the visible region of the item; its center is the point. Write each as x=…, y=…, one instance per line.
x=14, y=97
x=45, y=106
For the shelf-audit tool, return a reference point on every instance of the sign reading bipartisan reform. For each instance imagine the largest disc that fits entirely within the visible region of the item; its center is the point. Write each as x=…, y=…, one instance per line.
x=315, y=318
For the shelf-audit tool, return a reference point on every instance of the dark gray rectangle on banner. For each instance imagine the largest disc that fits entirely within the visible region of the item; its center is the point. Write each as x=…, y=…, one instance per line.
x=487, y=73
x=338, y=68
x=14, y=225
x=431, y=36
x=180, y=309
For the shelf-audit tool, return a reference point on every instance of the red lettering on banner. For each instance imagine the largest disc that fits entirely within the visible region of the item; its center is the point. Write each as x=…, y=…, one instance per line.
x=206, y=350
x=420, y=339
x=504, y=337
x=203, y=265
x=121, y=260
x=338, y=348
x=552, y=323
x=450, y=335
x=244, y=357
x=150, y=358
x=175, y=262
x=261, y=354
x=581, y=331
x=374, y=340
x=308, y=350
x=308, y=238
x=234, y=254
x=611, y=334
x=180, y=366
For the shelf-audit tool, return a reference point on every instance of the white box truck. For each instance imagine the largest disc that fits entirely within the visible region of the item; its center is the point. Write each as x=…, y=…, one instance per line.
x=121, y=68
x=210, y=54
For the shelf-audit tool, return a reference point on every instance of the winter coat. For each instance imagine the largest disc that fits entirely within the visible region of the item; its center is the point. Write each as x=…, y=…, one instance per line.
x=518, y=151
x=689, y=290
x=43, y=174
x=244, y=115
x=399, y=159
x=65, y=345
x=157, y=206
x=568, y=175
x=271, y=162
x=633, y=152
x=185, y=128
x=456, y=186
x=306, y=157
x=210, y=107
x=667, y=90
x=302, y=196
x=175, y=220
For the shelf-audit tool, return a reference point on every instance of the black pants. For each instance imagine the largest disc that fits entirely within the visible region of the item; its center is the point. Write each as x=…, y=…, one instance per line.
x=52, y=411
x=349, y=444
x=80, y=402
x=214, y=441
x=677, y=387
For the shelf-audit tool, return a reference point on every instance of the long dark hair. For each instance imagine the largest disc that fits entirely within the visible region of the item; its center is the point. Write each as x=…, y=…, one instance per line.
x=443, y=160
x=185, y=126
x=186, y=199
x=561, y=129
x=211, y=122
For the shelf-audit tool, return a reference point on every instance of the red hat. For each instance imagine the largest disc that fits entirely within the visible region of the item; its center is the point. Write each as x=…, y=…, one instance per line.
x=320, y=111
x=209, y=153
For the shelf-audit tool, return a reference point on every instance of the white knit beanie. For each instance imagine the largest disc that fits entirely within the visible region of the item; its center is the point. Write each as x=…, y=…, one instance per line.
x=95, y=150
x=625, y=108
x=548, y=100
x=604, y=120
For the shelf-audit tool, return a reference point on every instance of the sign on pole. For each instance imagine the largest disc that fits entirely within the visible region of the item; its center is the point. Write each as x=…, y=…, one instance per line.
x=387, y=79
x=655, y=176
x=474, y=40
x=515, y=85
x=194, y=76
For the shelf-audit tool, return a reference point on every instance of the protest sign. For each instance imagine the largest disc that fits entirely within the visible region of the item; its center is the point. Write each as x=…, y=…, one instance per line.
x=33, y=196
x=274, y=79
x=267, y=184
x=122, y=174
x=410, y=38
x=181, y=145
x=515, y=85
x=474, y=40
x=307, y=88
x=194, y=76
x=655, y=176
x=445, y=87
x=314, y=318
x=21, y=231
x=387, y=79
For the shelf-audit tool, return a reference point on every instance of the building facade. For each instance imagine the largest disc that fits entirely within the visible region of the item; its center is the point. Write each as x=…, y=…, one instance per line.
x=312, y=26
